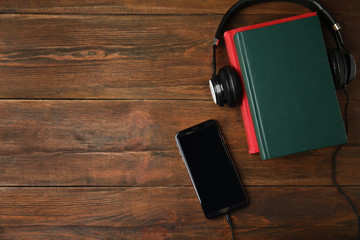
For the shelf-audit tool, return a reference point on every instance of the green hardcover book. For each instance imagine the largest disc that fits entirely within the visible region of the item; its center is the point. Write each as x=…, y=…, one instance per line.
x=289, y=87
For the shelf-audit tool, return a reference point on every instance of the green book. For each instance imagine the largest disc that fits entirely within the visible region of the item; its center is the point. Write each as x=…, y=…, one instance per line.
x=289, y=87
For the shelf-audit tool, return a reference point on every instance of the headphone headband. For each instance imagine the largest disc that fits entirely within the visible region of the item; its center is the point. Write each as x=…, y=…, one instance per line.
x=313, y=5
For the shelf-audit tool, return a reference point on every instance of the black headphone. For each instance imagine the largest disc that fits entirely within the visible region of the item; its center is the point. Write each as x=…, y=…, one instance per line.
x=226, y=87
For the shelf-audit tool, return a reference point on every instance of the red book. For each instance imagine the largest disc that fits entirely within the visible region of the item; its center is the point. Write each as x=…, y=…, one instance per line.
x=231, y=51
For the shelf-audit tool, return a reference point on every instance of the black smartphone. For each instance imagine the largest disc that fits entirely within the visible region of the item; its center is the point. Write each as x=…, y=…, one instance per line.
x=211, y=169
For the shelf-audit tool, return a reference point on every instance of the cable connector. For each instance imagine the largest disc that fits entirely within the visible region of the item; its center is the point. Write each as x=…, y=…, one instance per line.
x=215, y=42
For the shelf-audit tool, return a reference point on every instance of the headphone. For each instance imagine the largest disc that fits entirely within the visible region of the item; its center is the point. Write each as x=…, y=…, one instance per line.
x=226, y=87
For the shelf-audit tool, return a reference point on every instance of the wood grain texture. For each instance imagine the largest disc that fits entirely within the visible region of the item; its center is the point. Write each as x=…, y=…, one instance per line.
x=92, y=93
x=120, y=57
x=131, y=143
x=138, y=7
x=172, y=213
x=165, y=168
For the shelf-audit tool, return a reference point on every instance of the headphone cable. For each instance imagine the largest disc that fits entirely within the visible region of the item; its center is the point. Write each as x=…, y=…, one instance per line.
x=228, y=219
x=334, y=168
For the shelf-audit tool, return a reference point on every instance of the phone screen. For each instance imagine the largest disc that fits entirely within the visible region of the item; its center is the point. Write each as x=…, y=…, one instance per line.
x=211, y=169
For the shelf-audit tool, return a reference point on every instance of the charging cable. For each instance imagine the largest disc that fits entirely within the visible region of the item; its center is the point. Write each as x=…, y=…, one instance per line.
x=228, y=219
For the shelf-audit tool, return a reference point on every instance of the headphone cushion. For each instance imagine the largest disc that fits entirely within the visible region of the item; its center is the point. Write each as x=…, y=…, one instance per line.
x=216, y=92
x=230, y=81
x=338, y=67
x=350, y=60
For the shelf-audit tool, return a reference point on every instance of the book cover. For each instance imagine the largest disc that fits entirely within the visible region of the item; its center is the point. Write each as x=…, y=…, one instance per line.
x=289, y=87
x=231, y=52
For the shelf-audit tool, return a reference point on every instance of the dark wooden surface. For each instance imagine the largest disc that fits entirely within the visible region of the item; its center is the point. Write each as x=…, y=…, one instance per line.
x=92, y=93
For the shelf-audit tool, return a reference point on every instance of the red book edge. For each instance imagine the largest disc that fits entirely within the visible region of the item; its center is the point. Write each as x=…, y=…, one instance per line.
x=234, y=62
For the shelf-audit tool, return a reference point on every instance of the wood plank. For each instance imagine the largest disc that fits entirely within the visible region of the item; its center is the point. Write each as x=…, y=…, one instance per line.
x=348, y=7
x=120, y=57
x=131, y=143
x=175, y=232
x=165, y=168
x=134, y=213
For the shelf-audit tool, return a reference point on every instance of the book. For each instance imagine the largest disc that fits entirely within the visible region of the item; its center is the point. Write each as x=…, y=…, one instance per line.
x=289, y=87
x=231, y=52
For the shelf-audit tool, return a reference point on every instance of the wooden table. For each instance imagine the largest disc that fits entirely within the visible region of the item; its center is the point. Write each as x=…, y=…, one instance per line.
x=92, y=94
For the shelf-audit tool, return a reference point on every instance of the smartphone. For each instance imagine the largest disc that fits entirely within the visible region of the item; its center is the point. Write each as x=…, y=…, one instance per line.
x=211, y=169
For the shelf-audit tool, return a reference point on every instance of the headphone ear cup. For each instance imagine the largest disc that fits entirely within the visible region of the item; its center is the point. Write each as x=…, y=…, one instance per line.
x=230, y=81
x=216, y=90
x=338, y=67
x=350, y=61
